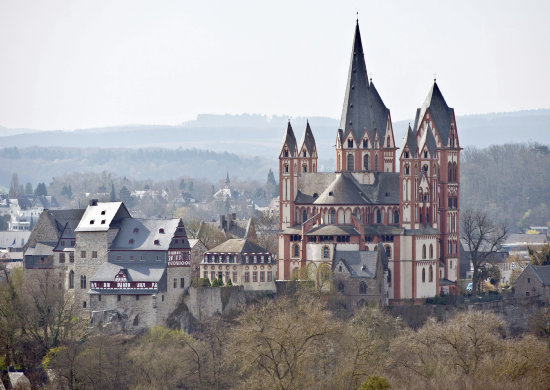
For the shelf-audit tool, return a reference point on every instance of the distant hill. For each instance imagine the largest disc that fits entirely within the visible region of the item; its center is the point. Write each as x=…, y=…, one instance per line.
x=246, y=144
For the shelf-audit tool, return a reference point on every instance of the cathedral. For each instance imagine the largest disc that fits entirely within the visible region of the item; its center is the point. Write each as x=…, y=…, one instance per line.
x=368, y=210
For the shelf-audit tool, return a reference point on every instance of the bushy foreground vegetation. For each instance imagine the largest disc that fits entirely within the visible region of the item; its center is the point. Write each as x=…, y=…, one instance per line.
x=302, y=340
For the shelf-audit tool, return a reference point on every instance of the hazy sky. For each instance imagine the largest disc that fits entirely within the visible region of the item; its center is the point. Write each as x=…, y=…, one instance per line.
x=74, y=64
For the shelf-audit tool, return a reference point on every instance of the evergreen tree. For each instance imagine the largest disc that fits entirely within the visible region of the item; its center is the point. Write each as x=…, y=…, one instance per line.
x=41, y=190
x=126, y=197
x=15, y=188
x=67, y=192
x=182, y=184
x=28, y=189
x=113, y=193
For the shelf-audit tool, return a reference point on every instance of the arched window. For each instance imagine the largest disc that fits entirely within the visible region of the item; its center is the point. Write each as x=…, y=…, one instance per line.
x=286, y=168
x=378, y=216
x=305, y=168
x=388, y=142
x=340, y=286
x=395, y=216
x=71, y=279
x=296, y=250
x=350, y=143
x=365, y=143
x=450, y=172
x=339, y=268
x=388, y=251
x=455, y=172
x=326, y=252
x=431, y=274
x=351, y=166
x=423, y=275
x=362, y=288
x=366, y=162
x=431, y=251
x=83, y=281
x=407, y=170
x=332, y=216
x=376, y=163
x=389, y=278
x=424, y=251
x=304, y=215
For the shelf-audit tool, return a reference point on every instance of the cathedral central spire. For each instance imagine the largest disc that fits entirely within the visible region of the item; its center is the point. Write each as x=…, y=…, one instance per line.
x=355, y=112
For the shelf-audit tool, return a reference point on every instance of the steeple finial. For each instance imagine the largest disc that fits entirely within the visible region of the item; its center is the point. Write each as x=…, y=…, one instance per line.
x=357, y=19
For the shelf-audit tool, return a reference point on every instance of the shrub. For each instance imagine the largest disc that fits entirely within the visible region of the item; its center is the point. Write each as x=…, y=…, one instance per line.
x=375, y=382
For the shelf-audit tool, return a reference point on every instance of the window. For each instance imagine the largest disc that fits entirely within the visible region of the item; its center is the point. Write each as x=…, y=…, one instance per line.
x=376, y=163
x=118, y=297
x=431, y=251
x=71, y=257
x=286, y=168
x=304, y=168
x=247, y=277
x=269, y=276
x=431, y=272
x=62, y=257
x=350, y=162
x=162, y=298
x=99, y=297
x=175, y=283
x=157, y=242
x=326, y=252
x=182, y=282
x=83, y=281
x=424, y=251
x=366, y=162
x=407, y=170
x=395, y=216
x=255, y=276
x=528, y=280
x=212, y=276
x=296, y=251
x=137, y=297
x=362, y=288
x=304, y=215
x=388, y=142
x=378, y=216
x=389, y=278
x=82, y=254
x=136, y=230
x=94, y=254
x=423, y=275
x=205, y=275
x=388, y=251
x=365, y=143
x=350, y=143
x=425, y=154
x=340, y=286
x=71, y=279
x=102, y=212
x=262, y=276
x=84, y=304
x=332, y=216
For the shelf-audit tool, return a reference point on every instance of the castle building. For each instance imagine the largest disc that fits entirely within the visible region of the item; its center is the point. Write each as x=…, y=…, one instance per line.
x=405, y=202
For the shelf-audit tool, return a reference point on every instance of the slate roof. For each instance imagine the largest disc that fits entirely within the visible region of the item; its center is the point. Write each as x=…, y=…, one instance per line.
x=441, y=113
x=307, y=141
x=100, y=216
x=51, y=223
x=148, y=231
x=41, y=249
x=343, y=188
x=7, y=237
x=290, y=140
x=360, y=264
x=363, y=109
x=333, y=230
x=135, y=273
x=238, y=245
x=525, y=238
x=409, y=139
x=542, y=272
x=428, y=140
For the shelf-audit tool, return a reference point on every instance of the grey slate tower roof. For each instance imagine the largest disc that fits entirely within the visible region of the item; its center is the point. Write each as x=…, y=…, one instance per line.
x=442, y=114
x=409, y=140
x=363, y=108
x=290, y=140
x=307, y=141
x=343, y=190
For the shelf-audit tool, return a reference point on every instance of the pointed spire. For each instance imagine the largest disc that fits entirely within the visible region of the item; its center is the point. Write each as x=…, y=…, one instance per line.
x=356, y=112
x=307, y=141
x=227, y=178
x=289, y=140
x=441, y=114
x=409, y=140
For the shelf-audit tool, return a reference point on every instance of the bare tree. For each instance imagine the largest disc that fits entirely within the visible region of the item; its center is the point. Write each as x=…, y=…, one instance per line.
x=483, y=238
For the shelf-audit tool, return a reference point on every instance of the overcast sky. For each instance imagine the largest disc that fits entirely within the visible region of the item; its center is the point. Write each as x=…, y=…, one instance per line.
x=75, y=64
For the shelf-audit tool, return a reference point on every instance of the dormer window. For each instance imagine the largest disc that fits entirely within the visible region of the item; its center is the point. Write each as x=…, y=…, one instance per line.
x=131, y=241
x=406, y=154
x=136, y=230
x=305, y=153
x=365, y=143
x=92, y=222
x=425, y=154
x=102, y=212
x=161, y=230
x=350, y=143
x=315, y=195
x=103, y=222
x=157, y=242
x=285, y=153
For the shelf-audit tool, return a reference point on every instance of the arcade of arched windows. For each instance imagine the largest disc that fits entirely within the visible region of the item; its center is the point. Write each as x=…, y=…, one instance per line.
x=452, y=247
x=452, y=172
